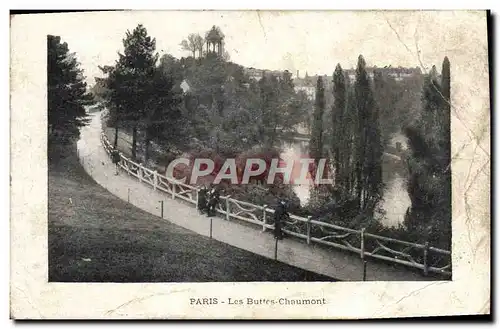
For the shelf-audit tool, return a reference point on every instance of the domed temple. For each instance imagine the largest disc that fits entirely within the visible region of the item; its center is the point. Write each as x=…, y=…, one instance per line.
x=215, y=41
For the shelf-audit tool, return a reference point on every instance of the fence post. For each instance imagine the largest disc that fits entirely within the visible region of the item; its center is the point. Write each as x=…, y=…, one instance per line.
x=309, y=229
x=174, y=186
x=161, y=205
x=139, y=172
x=364, y=270
x=197, y=198
x=211, y=219
x=426, y=254
x=264, y=219
x=155, y=180
x=362, y=251
x=128, y=195
x=228, y=209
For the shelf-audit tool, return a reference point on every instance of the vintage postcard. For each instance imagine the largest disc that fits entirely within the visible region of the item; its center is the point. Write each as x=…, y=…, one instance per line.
x=250, y=164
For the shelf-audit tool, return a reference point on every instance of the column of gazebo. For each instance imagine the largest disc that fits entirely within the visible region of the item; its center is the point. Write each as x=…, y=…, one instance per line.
x=215, y=47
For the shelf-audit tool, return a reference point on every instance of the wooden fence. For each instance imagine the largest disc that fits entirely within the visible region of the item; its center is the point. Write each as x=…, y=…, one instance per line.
x=420, y=256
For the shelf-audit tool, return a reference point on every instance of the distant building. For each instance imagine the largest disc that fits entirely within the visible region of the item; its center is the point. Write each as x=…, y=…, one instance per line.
x=257, y=74
x=306, y=86
x=398, y=73
x=253, y=73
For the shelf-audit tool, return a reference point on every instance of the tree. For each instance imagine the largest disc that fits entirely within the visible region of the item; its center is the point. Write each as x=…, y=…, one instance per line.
x=269, y=95
x=338, y=130
x=429, y=166
x=172, y=67
x=191, y=44
x=199, y=42
x=368, y=142
x=135, y=70
x=66, y=92
x=350, y=126
x=225, y=56
x=164, y=121
x=112, y=98
x=316, y=142
x=446, y=113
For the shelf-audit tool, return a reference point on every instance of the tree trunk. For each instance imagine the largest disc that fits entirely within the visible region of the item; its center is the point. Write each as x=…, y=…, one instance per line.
x=115, y=144
x=134, y=143
x=147, y=148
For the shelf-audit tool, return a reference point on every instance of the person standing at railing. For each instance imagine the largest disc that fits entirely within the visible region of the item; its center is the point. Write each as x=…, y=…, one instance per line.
x=203, y=199
x=115, y=158
x=280, y=215
x=213, y=199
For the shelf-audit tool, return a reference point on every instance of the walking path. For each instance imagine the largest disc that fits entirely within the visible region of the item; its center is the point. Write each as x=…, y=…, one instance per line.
x=336, y=264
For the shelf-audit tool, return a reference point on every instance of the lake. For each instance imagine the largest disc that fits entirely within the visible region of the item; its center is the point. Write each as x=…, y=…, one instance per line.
x=395, y=200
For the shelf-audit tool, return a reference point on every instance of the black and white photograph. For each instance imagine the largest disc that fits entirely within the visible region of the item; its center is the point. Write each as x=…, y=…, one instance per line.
x=263, y=147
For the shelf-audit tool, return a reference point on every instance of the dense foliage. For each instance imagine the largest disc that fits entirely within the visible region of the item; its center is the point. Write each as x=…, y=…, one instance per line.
x=67, y=93
x=430, y=162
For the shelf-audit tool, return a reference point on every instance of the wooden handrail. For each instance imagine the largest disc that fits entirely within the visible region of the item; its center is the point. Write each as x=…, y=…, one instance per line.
x=309, y=223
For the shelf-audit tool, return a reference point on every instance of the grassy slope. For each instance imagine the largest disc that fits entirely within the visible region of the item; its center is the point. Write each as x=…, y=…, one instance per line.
x=96, y=237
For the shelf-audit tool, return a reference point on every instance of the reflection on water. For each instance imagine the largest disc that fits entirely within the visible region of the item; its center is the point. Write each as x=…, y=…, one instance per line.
x=293, y=152
x=396, y=200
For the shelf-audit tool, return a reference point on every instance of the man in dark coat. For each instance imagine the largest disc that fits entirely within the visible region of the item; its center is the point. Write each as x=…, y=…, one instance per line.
x=203, y=199
x=115, y=158
x=213, y=199
x=280, y=215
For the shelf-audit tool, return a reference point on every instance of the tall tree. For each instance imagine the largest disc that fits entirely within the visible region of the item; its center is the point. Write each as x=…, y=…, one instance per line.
x=316, y=141
x=446, y=115
x=338, y=129
x=270, y=107
x=66, y=92
x=199, y=42
x=112, y=98
x=350, y=126
x=429, y=166
x=135, y=69
x=369, y=150
x=191, y=44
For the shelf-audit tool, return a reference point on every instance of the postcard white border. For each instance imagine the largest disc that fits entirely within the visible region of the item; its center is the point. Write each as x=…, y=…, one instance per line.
x=32, y=297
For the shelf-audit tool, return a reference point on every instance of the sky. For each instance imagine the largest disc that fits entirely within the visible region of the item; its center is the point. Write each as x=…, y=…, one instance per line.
x=296, y=40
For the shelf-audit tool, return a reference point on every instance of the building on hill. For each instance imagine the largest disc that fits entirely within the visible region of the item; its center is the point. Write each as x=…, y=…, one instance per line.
x=257, y=74
x=398, y=73
x=214, y=39
x=307, y=86
x=253, y=73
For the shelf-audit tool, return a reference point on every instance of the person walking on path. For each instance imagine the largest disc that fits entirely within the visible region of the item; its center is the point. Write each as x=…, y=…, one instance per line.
x=115, y=157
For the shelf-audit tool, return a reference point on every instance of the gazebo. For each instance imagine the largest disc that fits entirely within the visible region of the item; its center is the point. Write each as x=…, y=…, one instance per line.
x=215, y=41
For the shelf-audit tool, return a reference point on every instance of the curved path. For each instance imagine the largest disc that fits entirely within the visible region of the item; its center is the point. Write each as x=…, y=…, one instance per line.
x=336, y=264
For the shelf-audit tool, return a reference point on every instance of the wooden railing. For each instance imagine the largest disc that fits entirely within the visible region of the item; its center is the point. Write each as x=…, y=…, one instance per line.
x=420, y=256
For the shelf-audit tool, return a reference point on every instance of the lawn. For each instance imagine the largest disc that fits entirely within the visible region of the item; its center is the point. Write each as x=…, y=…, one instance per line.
x=96, y=237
